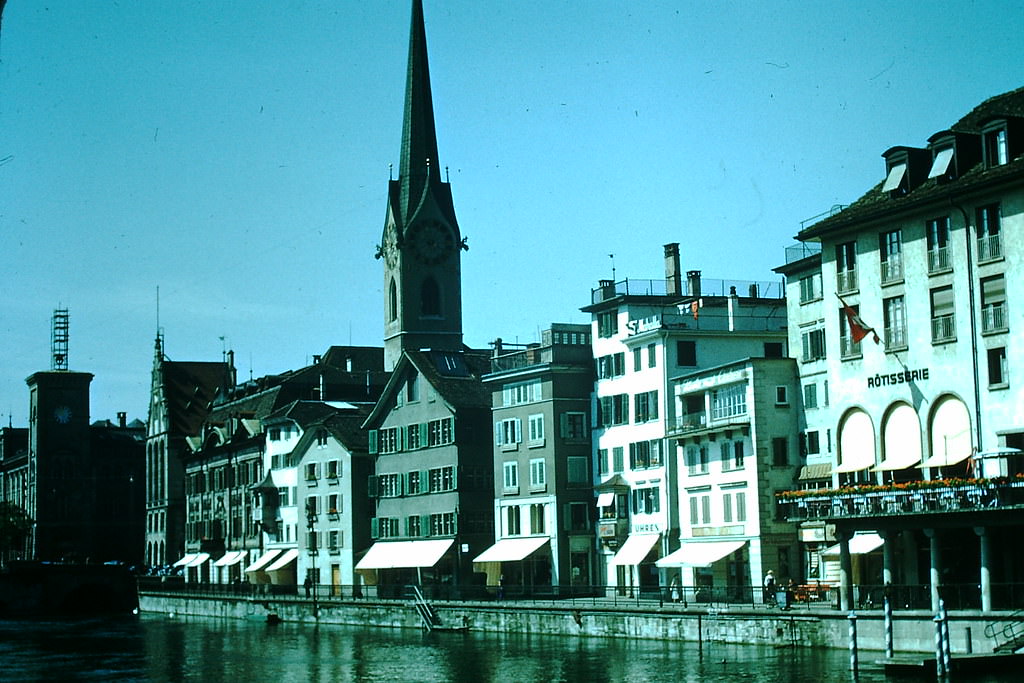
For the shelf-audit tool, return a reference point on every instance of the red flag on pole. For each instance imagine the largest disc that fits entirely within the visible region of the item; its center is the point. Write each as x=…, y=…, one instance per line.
x=858, y=328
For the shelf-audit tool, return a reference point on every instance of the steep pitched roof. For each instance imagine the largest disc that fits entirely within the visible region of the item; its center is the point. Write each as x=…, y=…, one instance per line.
x=875, y=203
x=189, y=389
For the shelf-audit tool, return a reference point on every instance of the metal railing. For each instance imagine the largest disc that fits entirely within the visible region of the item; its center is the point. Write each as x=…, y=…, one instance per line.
x=938, y=259
x=892, y=269
x=1008, y=634
x=993, y=318
x=990, y=247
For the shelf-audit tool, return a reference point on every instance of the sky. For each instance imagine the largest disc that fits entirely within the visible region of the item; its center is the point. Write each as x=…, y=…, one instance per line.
x=219, y=169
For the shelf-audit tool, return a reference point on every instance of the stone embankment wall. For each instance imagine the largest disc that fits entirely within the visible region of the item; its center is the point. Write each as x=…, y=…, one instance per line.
x=913, y=632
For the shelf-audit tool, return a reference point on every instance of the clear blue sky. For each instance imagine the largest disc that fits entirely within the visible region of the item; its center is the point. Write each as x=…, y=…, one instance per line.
x=235, y=154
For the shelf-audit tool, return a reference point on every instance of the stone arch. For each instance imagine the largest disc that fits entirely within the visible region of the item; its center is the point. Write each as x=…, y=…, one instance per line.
x=950, y=443
x=392, y=301
x=901, y=441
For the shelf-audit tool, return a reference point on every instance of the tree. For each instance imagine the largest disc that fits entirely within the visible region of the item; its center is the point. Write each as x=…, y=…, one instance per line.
x=15, y=525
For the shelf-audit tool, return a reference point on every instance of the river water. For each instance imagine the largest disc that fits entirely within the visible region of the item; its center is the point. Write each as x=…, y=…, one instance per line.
x=163, y=648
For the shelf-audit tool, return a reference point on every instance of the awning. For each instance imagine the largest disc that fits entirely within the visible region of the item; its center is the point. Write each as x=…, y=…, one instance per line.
x=946, y=459
x=198, y=560
x=512, y=549
x=230, y=558
x=860, y=544
x=700, y=553
x=395, y=554
x=284, y=560
x=854, y=465
x=605, y=499
x=635, y=549
x=821, y=470
x=264, y=560
x=185, y=560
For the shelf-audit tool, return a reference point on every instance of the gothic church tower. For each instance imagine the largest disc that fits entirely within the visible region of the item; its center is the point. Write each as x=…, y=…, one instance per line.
x=421, y=245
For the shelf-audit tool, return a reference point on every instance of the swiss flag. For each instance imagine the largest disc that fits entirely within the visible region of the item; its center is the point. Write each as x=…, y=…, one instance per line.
x=858, y=328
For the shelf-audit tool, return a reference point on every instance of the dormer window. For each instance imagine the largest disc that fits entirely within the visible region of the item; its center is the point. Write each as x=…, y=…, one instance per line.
x=896, y=180
x=942, y=165
x=996, y=153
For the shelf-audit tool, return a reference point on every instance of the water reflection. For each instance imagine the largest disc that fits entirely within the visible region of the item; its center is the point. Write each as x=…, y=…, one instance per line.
x=159, y=648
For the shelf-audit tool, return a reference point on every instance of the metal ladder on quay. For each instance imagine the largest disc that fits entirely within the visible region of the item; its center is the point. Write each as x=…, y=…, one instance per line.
x=428, y=615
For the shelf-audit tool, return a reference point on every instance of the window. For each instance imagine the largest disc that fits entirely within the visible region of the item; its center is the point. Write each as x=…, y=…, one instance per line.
x=781, y=395
x=741, y=506
x=780, y=452
x=441, y=479
x=412, y=388
x=810, y=396
x=697, y=460
x=612, y=365
x=537, y=474
x=510, y=481
x=943, y=322
x=895, y=181
x=607, y=324
x=415, y=483
x=810, y=288
x=275, y=433
x=686, y=354
x=392, y=301
x=652, y=355
x=441, y=432
x=388, y=440
x=700, y=509
x=577, y=470
x=729, y=401
x=282, y=496
x=333, y=504
x=579, y=516
x=414, y=434
x=737, y=455
x=993, y=304
x=442, y=524
x=521, y=392
x=727, y=508
x=413, y=525
x=386, y=527
x=508, y=432
x=614, y=410
x=813, y=443
x=813, y=344
x=512, y=521
x=997, y=369
x=895, y=320
x=846, y=267
x=333, y=540
x=995, y=147
x=537, y=518
x=644, y=454
x=848, y=348
x=646, y=500
x=937, y=232
x=312, y=471
x=333, y=469
x=389, y=485
x=602, y=461
x=988, y=221
x=942, y=166
x=536, y=426
x=618, y=458
x=645, y=406
x=574, y=426
x=890, y=251
x=638, y=359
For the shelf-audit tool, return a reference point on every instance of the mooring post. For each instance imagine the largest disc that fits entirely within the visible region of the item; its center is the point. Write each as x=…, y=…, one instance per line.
x=940, y=667
x=853, y=641
x=887, y=609
x=946, y=656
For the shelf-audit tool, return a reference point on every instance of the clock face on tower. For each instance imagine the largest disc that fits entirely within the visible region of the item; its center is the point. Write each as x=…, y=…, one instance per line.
x=432, y=241
x=62, y=414
x=390, y=248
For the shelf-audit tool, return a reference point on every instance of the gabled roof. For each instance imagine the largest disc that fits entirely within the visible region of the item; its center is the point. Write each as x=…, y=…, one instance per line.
x=877, y=204
x=189, y=389
x=344, y=424
x=454, y=375
x=302, y=413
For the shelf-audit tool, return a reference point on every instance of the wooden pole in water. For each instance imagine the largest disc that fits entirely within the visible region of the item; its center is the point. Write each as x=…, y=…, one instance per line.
x=887, y=608
x=853, y=641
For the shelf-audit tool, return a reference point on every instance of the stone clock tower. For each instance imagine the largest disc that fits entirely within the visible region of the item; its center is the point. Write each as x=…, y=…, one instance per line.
x=421, y=245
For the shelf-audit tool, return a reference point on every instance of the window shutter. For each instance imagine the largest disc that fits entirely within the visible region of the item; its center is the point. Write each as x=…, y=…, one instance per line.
x=422, y=426
x=425, y=525
x=455, y=478
x=374, y=528
x=373, y=487
x=372, y=436
x=497, y=434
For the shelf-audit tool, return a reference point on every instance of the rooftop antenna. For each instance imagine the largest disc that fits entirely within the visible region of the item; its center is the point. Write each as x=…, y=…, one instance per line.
x=612, y=257
x=391, y=171
x=59, y=339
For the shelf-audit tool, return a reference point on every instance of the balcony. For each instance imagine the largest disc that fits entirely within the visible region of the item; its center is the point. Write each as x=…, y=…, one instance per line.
x=943, y=328
x=990, y=248
x=846, y=281
x=895, y=338
x=993, y=318
x=691, y=422
x=938, y=260
x=910, y=498
x=849, y=348
x=892, y=270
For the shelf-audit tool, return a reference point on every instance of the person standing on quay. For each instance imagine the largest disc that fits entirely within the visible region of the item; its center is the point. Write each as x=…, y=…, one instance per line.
x=769, y=587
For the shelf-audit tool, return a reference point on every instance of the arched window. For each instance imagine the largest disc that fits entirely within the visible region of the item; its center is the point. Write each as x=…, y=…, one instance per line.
x=430, y=296
x=901, y=443
x=949, y=438
x=392, y=301
x=856, y=445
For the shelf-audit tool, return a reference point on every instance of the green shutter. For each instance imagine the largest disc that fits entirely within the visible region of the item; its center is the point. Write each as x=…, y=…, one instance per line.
x=372, y=485
x=374, y=528
x=372, y=436
x=423, y=434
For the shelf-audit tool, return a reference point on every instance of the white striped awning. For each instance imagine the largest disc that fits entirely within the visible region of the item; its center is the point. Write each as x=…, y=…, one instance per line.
x=700, y=553
x=396, y=554
x=635, y=549
x=185, y=560
x=231, y=557
x=264, y=560
x=198, y=560
x=512, y=549
x=860, y=544
x=286, y=558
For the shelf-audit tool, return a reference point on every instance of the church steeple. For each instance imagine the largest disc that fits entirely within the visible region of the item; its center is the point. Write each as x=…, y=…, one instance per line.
x=421, y=244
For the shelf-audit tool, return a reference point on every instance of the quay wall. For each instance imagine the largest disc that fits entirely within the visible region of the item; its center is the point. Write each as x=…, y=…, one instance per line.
x=913, y=632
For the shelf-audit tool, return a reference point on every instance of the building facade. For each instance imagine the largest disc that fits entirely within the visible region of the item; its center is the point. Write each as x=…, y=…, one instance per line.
x=906, y=324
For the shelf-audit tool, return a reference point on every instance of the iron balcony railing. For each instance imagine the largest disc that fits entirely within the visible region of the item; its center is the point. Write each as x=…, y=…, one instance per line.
x=990, y=247
x=993, y=318
x=938, y=259
x=892, y=269
x=849, y=348
x=900, y=499
x=846, y=281
x=895, y=337
x=708, y=287
x=944, y=328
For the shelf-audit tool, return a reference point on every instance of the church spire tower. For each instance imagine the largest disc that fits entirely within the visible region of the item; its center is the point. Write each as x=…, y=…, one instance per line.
x=421, y=244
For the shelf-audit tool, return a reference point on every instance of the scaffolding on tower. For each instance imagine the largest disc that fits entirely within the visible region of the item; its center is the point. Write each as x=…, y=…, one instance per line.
x=59, y=339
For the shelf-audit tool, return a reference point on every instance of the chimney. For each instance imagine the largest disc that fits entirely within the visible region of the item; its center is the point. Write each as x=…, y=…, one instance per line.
x=673, y=276
x=734, y=302
x=693, y=282
x=316, y=359
x=232, y=376
x=122, y=419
